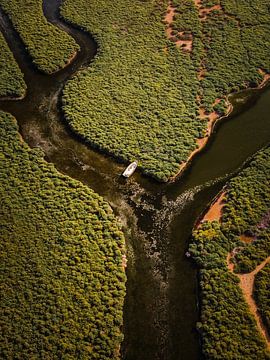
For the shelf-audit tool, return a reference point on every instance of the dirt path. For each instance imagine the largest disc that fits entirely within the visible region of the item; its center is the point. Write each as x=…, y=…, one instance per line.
x=246, y=285
x=247, y=239
x=204, y=11
x=181, y=38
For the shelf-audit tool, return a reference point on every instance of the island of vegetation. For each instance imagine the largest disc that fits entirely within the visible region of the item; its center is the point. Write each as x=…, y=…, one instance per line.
x=49, y=47
x=162, y=74
x=230, y=252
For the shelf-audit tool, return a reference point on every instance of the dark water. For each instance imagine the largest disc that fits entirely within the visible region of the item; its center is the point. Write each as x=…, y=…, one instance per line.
x=161, y=303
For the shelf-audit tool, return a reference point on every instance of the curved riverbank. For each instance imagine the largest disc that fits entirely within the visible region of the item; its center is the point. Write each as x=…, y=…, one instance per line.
x=214, y=119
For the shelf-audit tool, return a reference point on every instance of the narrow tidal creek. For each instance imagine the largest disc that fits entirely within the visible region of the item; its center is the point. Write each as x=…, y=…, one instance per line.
x=161, y=307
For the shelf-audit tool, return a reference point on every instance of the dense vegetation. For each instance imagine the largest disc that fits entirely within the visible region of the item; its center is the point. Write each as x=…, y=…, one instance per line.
x=228, y=330
x=62, y=280
x=261, y=294
x=135, y=94
x=140, y=98
x=49, y=47
x=246, y=211
x=11, y=77
x=235, y=47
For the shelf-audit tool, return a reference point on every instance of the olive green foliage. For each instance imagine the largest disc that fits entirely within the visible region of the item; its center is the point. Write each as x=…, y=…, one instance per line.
x=246, y=212
x=236, y=40
x=139, y=99
x=11, y=77
x=62, y=281
x=50, y=47
x=252, y=255
x=227, y=328
x=209, y=3
x=261, y=294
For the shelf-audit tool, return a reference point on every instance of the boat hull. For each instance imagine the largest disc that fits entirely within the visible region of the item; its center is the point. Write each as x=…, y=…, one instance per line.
x=130, y=169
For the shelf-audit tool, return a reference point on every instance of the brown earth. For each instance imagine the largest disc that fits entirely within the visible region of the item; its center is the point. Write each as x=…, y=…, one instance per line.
x=124, y=261
x=247, y=239
x=215, y=210
x=203, y=12
x=266, y=78
x=179, y=38
x=247, y=284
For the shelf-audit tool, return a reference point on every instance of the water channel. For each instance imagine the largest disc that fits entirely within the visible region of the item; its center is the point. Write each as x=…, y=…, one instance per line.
x=161, y=306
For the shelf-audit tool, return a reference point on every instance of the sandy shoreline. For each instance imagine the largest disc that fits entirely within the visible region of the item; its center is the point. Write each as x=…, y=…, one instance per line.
x=213, y=120
x=214, y=212
x=201, y=142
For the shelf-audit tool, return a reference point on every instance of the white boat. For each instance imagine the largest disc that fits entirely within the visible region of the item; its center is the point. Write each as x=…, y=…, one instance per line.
x=130, y=169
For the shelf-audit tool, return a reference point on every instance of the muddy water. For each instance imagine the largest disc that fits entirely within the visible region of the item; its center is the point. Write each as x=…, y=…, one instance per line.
x=161, y=303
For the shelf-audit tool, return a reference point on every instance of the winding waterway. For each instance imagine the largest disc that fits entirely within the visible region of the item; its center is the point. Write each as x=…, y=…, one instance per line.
x=161, y=307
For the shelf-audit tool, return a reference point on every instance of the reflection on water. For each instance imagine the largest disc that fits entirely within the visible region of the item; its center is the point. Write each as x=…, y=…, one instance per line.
x=161, y=302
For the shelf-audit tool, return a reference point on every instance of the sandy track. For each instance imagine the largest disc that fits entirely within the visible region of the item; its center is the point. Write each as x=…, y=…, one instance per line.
x=247, y=284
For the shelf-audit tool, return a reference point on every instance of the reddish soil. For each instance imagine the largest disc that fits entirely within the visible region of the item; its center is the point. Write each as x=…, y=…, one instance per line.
x=203, y=12
x=198, y=3
x=247, y=239
x=184, y=43
x=230, y=265
x=266, y=78
x=170, y=14
x=215, y=210
x=201, y=74
x=179, y=38
x=247, y=284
